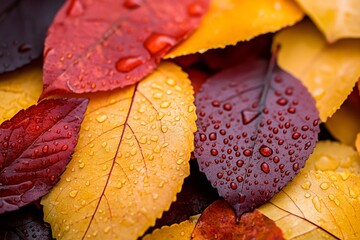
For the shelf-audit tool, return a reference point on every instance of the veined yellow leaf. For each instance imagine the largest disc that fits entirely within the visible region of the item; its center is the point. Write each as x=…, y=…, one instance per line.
x=230, y=21
x=335, y=18
x=181, y=231
x=130, y=160
x=19, y=90
x=328, y=71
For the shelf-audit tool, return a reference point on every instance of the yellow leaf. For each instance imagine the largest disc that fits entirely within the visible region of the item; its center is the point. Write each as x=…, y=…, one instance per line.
x=357, y=143
x=19, y=90
x=180, y=231
x=292, y=226
x=330, y=200
x=335, y=18
x=230, y=21
x=328, y=71
x=333, y=156
x=130, y=160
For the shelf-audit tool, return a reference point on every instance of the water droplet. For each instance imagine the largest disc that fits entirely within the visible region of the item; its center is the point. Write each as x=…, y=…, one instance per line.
x=242, y=198
x=132, y=4
x=249, y=115
x=159, y=43
x=23, y=48
x=296, y=167
x=282, y=101
x=219, y=175
x=296, y=135
x=227, y=107
x=276, y=159
x=52, y=178
x=289, y=91
x=126, y=64
x=214, y=152
x=101, y=118
x=73, y=193
x=307, y=195
x=324, y=185
x=233, y=186
x=265, y=151
x=75, y=8
x=212, y=136
x=64, y=147
x=239, y=179
x=240, y=163
x=291, y=110
x=202, y=137
x=195, y=9
x=165, y=104
x=265, y=167
x=191, y=108
x=247, y=152
x=306, y=185
x=317, y=203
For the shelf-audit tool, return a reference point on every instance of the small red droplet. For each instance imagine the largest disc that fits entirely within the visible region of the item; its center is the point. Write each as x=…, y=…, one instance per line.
x=248, y=116
x=75, y=8
x=247, y=152
x=296, y=135
x=159, y=43
x=227, y=107
x=265, y=167
x=240, y=163
x=296, y=166
x=265, y=151
x=242, y=198
x=291, y=152
x=276, y=159
x=289, y=91
x=202, y=137
x=212, y=136
x=291, y=110
x=214, y=152
x=239, y=179
x=64, y=147
x=233, y=186
x=215, y=104
x=45, y=149
x=24, y=48
x=222, y=131
x=127, y=64
x=195, y=9
x=282, y=101
x=219, y=175
x=132, y=4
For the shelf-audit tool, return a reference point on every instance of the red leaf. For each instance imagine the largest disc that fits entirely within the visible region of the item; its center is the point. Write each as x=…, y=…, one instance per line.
x=35, y=146
x=256, y=129
x=219, y=222
x=101, y=45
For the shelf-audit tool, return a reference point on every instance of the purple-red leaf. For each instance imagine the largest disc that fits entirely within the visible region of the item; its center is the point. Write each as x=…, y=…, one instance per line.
x=23, y=26
x=101, y=45
x=257, y=126
x=35, y=146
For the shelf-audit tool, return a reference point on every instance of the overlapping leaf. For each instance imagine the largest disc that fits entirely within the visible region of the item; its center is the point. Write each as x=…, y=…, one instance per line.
x=22, y=30
x=257, y=125
x=329, y=71
x=230, y=21
x=181, y=231
x=102, y=45
x=19, y=90
x=131, y=159
x=336, y=18
x=35, y=146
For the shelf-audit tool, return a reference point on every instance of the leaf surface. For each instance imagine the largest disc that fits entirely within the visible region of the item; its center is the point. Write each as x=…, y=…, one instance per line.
x=230, y=21
x=336, y=19
x=130, y=161
x=329, y=71
x=102, y=45
x=19, y=90
x=218, y=221
x=181, y=231
x=257, y=126
x=22, y=30
x=35, y=145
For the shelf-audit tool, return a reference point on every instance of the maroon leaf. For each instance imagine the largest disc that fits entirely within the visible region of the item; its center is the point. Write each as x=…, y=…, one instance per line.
x=35, y=146
x=256, y=129
x=23, y=26
x=101, y=45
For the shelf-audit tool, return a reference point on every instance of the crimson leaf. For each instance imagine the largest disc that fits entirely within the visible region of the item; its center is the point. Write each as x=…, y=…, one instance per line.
x=257, y=126
x=101, y=45
x=35, y=146
x=23, y=26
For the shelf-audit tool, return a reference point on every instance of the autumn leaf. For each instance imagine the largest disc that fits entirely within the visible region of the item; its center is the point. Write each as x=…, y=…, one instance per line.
x=345, y=123
x=218, y=221
x=336, y=19
x=357, y=143
x=181, y=231
x=257, y=126
x=35, y=145
x=22, y=30
x=328, y=71
x=19, y=90
x=102, y=45
x=130, y=161
x=230, y=21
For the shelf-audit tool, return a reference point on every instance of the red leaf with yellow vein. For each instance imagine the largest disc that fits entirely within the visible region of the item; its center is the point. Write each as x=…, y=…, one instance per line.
x=257, y=126
x=101, y=45
x=35, y=146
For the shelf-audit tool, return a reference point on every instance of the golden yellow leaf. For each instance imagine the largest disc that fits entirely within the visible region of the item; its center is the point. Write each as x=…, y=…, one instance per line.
x=230, y=21
x=130, y=160
x=335, y=18
x=357, y=143
x=330, y=200
x=333, y=156
x=328, y=71
x=19, y=90
x=292, y=226
x=181, y=231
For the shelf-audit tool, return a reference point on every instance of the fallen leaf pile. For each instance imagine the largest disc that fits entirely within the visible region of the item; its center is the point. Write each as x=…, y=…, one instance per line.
x=168, y=119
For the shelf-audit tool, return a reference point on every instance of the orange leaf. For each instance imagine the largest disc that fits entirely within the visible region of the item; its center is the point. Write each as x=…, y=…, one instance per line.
x=181, y=231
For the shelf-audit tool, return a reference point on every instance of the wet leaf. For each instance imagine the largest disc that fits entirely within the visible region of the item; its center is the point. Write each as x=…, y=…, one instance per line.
x=22, y=30
x=102, y=45
x=130, y=161
x=257, y=126
x=330, y=200
x=181, y=231
x=230, y=21
x=336, y=19
x=35, y=145
x=345, y=123
x=333, y=156
x=357, y=143
x=19, y=90
x=292, y=226
x=329, y=71
x=24, y=224
x=219, y=222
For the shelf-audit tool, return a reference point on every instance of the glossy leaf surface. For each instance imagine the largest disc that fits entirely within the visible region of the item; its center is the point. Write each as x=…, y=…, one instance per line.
x=23, y=29
x=257, y=125
x=102, y=45
x=230, y=21
x=130, y=161
x=329, y=71
x=35, y=146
